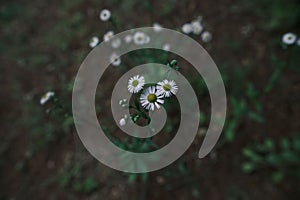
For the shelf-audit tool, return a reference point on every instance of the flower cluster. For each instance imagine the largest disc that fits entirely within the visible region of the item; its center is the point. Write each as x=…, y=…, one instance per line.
x=150, y=97
x=195, y=27
x=290, y=39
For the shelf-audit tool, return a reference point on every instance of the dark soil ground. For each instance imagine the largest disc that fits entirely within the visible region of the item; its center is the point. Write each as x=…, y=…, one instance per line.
x=27, y=175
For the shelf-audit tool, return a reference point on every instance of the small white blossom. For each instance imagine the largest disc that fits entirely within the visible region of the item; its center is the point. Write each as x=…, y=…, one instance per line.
x=46, y=97
x=122, y=122
x=166, y=47
x=206, y=36
x=107, y=36
x=94, y=42
x=116, y=43
x=115, y=59
x=140, y=38
x=105, y=15
x=187, y=28
x=289, y=38
x=128, y=38
x=197, y=27
x=136, y=83
x=151, y=99
x=167, y=88
x=298, y=42
x=157, y=27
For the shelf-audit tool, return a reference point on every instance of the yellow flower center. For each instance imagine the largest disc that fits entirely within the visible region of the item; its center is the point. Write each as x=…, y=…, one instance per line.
x=135, y=83
x=152, y=98
x=167, y=87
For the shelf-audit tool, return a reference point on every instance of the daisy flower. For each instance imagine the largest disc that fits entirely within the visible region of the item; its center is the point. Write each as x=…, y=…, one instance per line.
x=289, y=38
x=139, y=38
x=94, y=42
x=136, y=83
x=128, y=39
x=46, y=97
x=206, y=36
x=150, y=99
x=105, y=15
x=157, y=27
x=107, y=36
x=167, y=88
x=166, y=47
x=115, y=59
x=197, y=27
x=116, y=43
x=187, y=28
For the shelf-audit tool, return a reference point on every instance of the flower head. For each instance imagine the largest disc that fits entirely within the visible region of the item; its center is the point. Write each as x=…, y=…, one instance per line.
x=116, y=43
x=157, y=27
x=289, y=38
x=141, y=38
x=115, y=59
x=46, y=97
x=128, y=39
x=206, y=36
x=166, y=47
x=298, y=42
x=105, y=15
x=197, y=27
x=94, y=42
x=167, y=88
x=107, y=36
x=122, y=122
x=187, y=28
x=151, y=99
x=136, y=83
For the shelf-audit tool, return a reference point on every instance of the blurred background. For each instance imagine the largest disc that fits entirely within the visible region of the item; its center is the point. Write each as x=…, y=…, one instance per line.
x=258, y=155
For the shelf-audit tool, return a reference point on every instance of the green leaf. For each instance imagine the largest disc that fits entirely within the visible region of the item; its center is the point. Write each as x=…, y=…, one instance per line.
x=248, y=167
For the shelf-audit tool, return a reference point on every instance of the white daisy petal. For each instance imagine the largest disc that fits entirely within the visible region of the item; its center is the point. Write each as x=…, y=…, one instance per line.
x=187, y=28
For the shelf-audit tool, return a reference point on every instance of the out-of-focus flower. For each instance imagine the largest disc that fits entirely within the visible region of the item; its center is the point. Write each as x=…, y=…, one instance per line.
x=157, y=27
x=140, y=38
x=289, y=38
x=136, y=83
x=94, y=42
x=116, y=43
x=122, y=122
x=166, y=47
x=197, y=27
x=115, y=59
x=150, y=99
x=187, y=28
x=167, y=88
x=105, y=15
x=107, y=36
x=206, y=36
x=298, y=42
x=128, y=38
x=46, y=97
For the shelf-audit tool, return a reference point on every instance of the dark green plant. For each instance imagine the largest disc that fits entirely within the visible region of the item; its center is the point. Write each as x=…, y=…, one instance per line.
x=282, y=159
